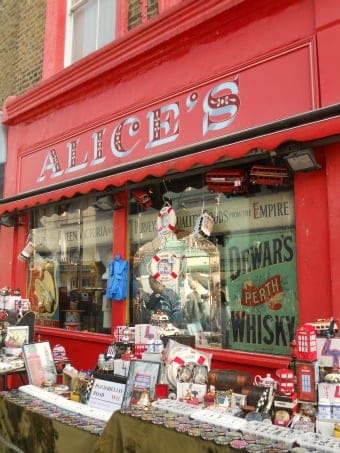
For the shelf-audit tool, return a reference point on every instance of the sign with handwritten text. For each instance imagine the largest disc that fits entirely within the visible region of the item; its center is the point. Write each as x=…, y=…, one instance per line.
x=106, y=395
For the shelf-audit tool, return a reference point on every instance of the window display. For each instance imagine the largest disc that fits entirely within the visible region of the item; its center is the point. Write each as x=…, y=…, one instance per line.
x=72, y=248
x=220, y=265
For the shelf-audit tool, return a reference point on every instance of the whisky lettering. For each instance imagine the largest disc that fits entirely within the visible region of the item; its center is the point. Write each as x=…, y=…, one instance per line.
x=258, y=329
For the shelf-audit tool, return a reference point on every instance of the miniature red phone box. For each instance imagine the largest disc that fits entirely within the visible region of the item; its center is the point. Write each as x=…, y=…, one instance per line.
x=307, y=377
x=306, y=343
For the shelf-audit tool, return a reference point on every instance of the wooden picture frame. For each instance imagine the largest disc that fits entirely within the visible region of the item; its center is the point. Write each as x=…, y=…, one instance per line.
x=143, y=374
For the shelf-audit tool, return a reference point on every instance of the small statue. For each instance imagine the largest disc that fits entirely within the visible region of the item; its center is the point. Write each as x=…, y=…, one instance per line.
x=209, y=397
x=145, y=399
x=188, y=395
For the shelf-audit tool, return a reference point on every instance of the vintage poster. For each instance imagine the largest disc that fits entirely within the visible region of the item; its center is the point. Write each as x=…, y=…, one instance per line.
x=261, y=276
x=42, y=290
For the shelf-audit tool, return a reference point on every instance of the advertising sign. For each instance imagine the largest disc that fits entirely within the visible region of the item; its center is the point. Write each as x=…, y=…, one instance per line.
x=261, y=276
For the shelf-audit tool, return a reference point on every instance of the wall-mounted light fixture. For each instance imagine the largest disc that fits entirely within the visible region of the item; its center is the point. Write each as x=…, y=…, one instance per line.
x=8, y=220
x=107, y=203
x=302, y=160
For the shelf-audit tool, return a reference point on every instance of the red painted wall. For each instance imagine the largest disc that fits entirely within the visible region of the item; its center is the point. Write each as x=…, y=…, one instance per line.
x=328, y=30
x=120, y=247
x=312, y=238
x=333, y=199
x=55, y=28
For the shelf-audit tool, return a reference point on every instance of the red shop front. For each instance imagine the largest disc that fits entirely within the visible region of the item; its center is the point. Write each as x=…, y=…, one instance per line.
x=143, y=124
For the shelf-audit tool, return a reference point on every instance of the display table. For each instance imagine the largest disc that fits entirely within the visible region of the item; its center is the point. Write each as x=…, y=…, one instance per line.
x=28, y=424
x=31, y=426
x=5, y=373
x=20, y=372
x=124, y=433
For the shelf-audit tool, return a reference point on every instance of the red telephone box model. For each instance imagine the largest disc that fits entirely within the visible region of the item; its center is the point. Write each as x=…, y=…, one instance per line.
x=306, y=365
x=306, y=343
x=307, y=379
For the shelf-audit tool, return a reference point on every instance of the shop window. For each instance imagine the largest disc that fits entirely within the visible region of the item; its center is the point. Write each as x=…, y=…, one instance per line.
x=216, y=264
x=71, y=246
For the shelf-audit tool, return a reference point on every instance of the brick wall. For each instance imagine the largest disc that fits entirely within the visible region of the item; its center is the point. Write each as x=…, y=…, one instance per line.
x=22, y=25
x=21, y=48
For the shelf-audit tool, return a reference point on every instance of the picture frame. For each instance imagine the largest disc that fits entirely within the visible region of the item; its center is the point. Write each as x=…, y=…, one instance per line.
x=40, y=366
x=238, y=400
x=143, y=374
x=222, y=398
x=184, y=389
x=16, y=337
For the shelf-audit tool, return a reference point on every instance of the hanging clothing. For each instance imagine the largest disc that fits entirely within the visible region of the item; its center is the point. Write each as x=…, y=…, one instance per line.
x=117, y=283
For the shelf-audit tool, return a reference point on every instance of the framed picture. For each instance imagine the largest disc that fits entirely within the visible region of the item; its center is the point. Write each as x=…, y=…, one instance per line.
x=40, y=366
x=188, y=391
x=16, y=337
x=238, y=400
x=143, y=375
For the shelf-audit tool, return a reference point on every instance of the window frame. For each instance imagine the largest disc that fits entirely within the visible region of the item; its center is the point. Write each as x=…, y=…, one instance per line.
x=58, y=231
x=267, y=248
x=120, y=26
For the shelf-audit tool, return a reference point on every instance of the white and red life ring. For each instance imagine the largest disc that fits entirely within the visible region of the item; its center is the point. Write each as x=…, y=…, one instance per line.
x=165, y=266
x=166, y=220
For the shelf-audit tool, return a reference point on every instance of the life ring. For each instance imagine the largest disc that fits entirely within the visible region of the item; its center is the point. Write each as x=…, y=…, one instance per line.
x=166, y=220
x=164, y=266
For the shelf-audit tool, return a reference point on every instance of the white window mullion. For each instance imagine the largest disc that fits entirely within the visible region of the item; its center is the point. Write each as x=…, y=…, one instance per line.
x=98, y=23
